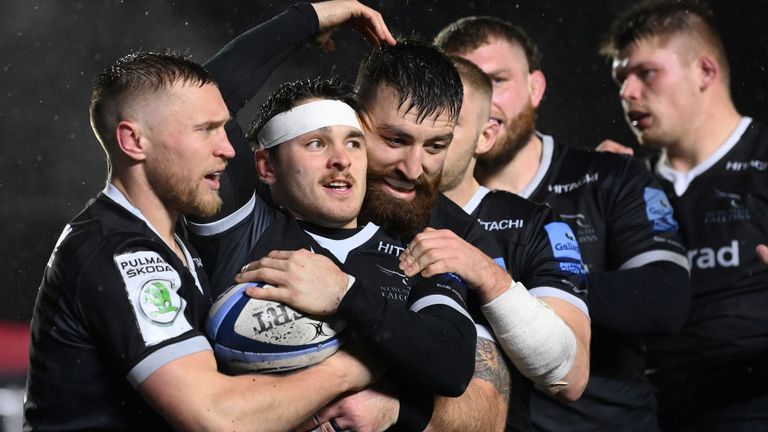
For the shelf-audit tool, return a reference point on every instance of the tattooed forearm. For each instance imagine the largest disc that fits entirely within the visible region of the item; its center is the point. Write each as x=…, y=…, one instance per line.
x=490, y=366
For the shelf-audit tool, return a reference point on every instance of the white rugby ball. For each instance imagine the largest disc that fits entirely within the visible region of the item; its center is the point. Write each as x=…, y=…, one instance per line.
x=251, y=335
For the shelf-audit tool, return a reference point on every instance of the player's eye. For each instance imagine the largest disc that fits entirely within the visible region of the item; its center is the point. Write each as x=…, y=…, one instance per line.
x=315, y=144
x=354, y=144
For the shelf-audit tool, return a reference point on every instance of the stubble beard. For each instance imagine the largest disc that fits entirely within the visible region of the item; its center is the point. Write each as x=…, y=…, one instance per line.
x=518, y=133
x=178, y=193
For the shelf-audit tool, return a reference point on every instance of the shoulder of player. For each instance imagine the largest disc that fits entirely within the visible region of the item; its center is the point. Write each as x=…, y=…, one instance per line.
x=448, y=215
x=755, y=140
x=501, y=201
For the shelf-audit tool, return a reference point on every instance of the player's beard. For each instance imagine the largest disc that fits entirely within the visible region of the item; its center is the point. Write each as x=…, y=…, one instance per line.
x=518, y=133
x=397, y=216
x=180, y=193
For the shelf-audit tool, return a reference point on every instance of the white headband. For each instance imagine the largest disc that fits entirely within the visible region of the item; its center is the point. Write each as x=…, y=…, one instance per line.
x=306, y=118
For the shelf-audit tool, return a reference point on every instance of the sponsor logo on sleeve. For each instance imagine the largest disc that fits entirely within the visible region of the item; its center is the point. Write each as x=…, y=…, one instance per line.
x=659, y=210
x=152, y=285
x=564, y=246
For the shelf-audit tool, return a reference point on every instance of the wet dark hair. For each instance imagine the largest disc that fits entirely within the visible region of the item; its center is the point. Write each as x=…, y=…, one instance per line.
x=132, y=76
x=421, y=75
x=665, y=18
x=470, y=33
x=289, y=94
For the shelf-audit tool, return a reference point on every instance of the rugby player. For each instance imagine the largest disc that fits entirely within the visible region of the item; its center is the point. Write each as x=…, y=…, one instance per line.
x=116, y=331
x=670, y=63
x=316, y=173
x=408, y=117
x=627, y=236
x=541, y=254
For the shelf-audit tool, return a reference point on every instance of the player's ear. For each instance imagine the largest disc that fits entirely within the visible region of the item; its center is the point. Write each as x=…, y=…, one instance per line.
x=537, y=84
x=487, y=137
x=709, y=71
x=131, y=140
x=264, y=166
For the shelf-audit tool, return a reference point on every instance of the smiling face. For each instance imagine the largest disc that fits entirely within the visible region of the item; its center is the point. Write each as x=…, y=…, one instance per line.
x=187, y=147
x=659, y=89
x=319, y=176
x=405, y=160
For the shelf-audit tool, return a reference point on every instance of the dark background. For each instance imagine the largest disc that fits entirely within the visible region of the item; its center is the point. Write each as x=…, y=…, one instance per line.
x=51, y=50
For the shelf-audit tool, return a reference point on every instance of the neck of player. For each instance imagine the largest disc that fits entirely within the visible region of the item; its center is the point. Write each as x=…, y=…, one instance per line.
x=704, y=136
x=519, y=172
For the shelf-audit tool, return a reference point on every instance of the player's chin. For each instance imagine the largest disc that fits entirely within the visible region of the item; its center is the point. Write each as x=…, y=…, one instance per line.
x=208, y=205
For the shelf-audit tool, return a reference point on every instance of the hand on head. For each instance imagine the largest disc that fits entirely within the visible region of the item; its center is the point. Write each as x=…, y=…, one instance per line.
x=359, y=17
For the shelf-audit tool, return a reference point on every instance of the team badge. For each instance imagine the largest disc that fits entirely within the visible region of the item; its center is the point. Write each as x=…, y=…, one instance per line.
x=159, y=301
x=152, y=284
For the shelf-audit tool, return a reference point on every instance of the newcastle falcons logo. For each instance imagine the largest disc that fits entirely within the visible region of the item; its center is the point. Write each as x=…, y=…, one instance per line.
x=734, y=200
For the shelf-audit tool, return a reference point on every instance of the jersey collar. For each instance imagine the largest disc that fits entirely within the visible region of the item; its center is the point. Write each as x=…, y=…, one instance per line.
x=682, y=179
x=115, y=195
x=476, y=199
x=547, y=148
x=341, y=248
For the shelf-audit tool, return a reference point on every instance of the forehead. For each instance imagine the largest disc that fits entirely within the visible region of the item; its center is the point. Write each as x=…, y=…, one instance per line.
x=183, y=104
x=330, y=133
x=197, y=101
x=497, y=55
x=388, y=112
x=647, y=50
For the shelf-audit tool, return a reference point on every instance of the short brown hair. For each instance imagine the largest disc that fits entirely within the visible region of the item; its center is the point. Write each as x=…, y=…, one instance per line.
x=473, y=76
x=133, y=75
x=470, y=33
x=665, y=18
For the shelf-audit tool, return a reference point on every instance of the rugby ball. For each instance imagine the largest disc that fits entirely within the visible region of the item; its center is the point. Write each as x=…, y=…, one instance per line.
x=251, y=335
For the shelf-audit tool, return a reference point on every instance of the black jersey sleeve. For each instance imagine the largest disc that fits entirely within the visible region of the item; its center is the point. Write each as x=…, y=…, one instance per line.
x=648, y=293
x=550, y=262
x=431, y=344
x=241, y=67
x=129, y=298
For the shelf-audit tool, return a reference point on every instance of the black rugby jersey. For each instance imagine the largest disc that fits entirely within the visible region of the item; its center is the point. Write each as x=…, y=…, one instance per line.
x=622, y=220
x=248, y=228
x=401, y=318
x=241, y=68
x=721, y=356
x=541, y=252
x=115, y=304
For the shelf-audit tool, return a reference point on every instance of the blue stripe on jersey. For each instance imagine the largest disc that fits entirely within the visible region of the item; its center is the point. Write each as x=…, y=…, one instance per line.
x=659, y=210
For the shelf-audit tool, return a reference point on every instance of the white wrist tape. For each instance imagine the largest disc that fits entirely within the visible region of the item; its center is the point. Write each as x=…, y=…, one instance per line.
x=306, y=118
x=540, y=344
